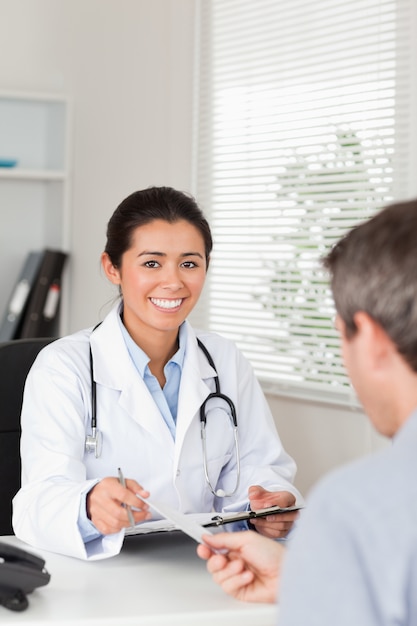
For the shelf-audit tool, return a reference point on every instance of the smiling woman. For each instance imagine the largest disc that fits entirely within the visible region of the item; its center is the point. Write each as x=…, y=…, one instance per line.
x=153, y=383
x=161, y=277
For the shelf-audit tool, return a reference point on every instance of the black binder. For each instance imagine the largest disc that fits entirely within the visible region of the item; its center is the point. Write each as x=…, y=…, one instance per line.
x=42, y=313
x=11, y=324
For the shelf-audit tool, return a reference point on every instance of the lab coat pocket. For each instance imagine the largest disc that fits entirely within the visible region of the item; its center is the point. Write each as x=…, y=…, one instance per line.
x=219, y=441
x=215, y=467
x=219, y=430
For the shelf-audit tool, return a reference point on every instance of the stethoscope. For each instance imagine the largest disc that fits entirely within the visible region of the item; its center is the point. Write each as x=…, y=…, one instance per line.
x=94, y=441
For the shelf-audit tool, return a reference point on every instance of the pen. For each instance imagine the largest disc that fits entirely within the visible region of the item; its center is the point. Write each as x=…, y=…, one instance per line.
x=129, y=510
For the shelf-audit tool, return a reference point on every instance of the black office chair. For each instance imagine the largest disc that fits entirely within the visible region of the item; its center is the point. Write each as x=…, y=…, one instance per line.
x=16, y=358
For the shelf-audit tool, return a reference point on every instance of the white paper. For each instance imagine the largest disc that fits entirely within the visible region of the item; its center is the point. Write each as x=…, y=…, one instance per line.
x=165, y=525
x=178, y=521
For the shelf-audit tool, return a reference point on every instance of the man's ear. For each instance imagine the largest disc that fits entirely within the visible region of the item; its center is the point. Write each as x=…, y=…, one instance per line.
x=363, y=322
x=111, y=272
x=377, y=344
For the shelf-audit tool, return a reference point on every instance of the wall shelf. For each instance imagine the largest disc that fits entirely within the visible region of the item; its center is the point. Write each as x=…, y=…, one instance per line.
x=26, y=174
x=34, y=195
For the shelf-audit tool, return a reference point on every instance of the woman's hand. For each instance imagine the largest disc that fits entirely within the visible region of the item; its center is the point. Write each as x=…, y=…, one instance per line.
x=274, y=526
x=250, y=569
x=107, y=501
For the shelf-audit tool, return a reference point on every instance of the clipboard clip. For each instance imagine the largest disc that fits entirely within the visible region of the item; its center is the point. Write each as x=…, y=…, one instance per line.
x=239, y=516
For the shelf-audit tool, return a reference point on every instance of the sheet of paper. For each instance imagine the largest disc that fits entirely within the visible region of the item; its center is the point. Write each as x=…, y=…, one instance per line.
x=178, y=520
x=165, y=525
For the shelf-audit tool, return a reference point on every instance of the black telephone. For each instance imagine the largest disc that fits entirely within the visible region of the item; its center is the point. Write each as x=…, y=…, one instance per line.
x=20, y=573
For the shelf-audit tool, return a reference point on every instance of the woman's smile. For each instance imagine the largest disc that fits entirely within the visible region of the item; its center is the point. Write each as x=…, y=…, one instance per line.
x=164, y=303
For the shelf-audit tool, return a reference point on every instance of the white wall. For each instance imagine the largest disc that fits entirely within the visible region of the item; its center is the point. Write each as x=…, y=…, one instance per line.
x=128, y=67
x=322, y=436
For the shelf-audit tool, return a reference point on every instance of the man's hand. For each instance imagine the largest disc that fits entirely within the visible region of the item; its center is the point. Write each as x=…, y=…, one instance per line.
x=249, y=570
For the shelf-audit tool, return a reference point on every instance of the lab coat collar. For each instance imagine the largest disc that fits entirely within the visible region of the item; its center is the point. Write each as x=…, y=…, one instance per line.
x=113, y=368
x=112, y=362
x=193, y=388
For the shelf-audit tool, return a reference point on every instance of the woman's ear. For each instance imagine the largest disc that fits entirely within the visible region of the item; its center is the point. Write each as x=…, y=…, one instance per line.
x=111, y=272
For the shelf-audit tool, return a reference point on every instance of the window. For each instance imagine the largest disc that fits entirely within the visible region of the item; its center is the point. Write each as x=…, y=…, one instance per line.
x=304, y=117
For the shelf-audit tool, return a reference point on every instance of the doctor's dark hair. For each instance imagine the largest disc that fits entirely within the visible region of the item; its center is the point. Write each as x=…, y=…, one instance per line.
x=145, y=206
x=373, y=269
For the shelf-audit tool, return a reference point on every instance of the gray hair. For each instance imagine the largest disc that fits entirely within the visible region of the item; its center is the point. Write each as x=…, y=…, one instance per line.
x=373, y=268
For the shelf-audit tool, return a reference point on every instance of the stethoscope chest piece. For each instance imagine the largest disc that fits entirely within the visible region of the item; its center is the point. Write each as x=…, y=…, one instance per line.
x=94, y=442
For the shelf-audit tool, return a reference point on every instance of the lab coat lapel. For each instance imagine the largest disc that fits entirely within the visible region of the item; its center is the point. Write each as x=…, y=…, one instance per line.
x=114, y=368
x=193, y=389
x=136, y=400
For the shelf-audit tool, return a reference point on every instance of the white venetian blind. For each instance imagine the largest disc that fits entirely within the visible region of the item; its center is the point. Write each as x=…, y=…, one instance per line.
x=304, y=112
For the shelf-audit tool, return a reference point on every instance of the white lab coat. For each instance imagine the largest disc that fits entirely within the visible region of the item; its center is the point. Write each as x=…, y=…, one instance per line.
x=56, y=416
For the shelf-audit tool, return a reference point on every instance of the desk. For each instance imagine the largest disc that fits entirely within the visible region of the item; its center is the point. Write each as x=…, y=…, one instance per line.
x=156, y=580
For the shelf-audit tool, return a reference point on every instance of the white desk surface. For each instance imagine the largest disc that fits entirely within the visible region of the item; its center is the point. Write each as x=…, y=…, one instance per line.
x=156, y=580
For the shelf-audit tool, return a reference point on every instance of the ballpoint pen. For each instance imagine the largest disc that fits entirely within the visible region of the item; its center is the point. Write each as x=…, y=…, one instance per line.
x=129, y=510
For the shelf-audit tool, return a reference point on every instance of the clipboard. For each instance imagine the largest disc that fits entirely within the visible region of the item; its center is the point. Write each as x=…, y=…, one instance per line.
x=195, y=524
x=228, y=518
x=187, y=523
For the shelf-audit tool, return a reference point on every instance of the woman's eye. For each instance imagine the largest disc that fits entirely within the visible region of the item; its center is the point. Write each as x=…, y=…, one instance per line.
x=151, y=264
x=188, y=264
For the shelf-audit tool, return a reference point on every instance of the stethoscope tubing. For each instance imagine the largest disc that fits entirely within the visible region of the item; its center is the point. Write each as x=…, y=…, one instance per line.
x=94, y=443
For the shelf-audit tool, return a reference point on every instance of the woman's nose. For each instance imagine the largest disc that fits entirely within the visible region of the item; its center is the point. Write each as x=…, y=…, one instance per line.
x=172, y=279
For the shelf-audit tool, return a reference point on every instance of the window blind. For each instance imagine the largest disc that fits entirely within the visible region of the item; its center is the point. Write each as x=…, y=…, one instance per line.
x=303, y=131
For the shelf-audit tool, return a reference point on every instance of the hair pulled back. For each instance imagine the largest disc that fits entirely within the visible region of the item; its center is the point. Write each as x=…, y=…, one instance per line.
x=145, y=206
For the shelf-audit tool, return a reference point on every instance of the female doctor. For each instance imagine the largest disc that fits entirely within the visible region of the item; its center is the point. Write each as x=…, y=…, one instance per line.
x=131, y=393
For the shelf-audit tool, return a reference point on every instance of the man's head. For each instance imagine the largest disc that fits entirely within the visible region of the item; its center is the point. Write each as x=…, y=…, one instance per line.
x=373, y=273
x=373, y=269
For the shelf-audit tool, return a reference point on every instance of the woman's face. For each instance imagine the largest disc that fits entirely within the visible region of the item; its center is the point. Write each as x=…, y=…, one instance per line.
x=161, y=276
